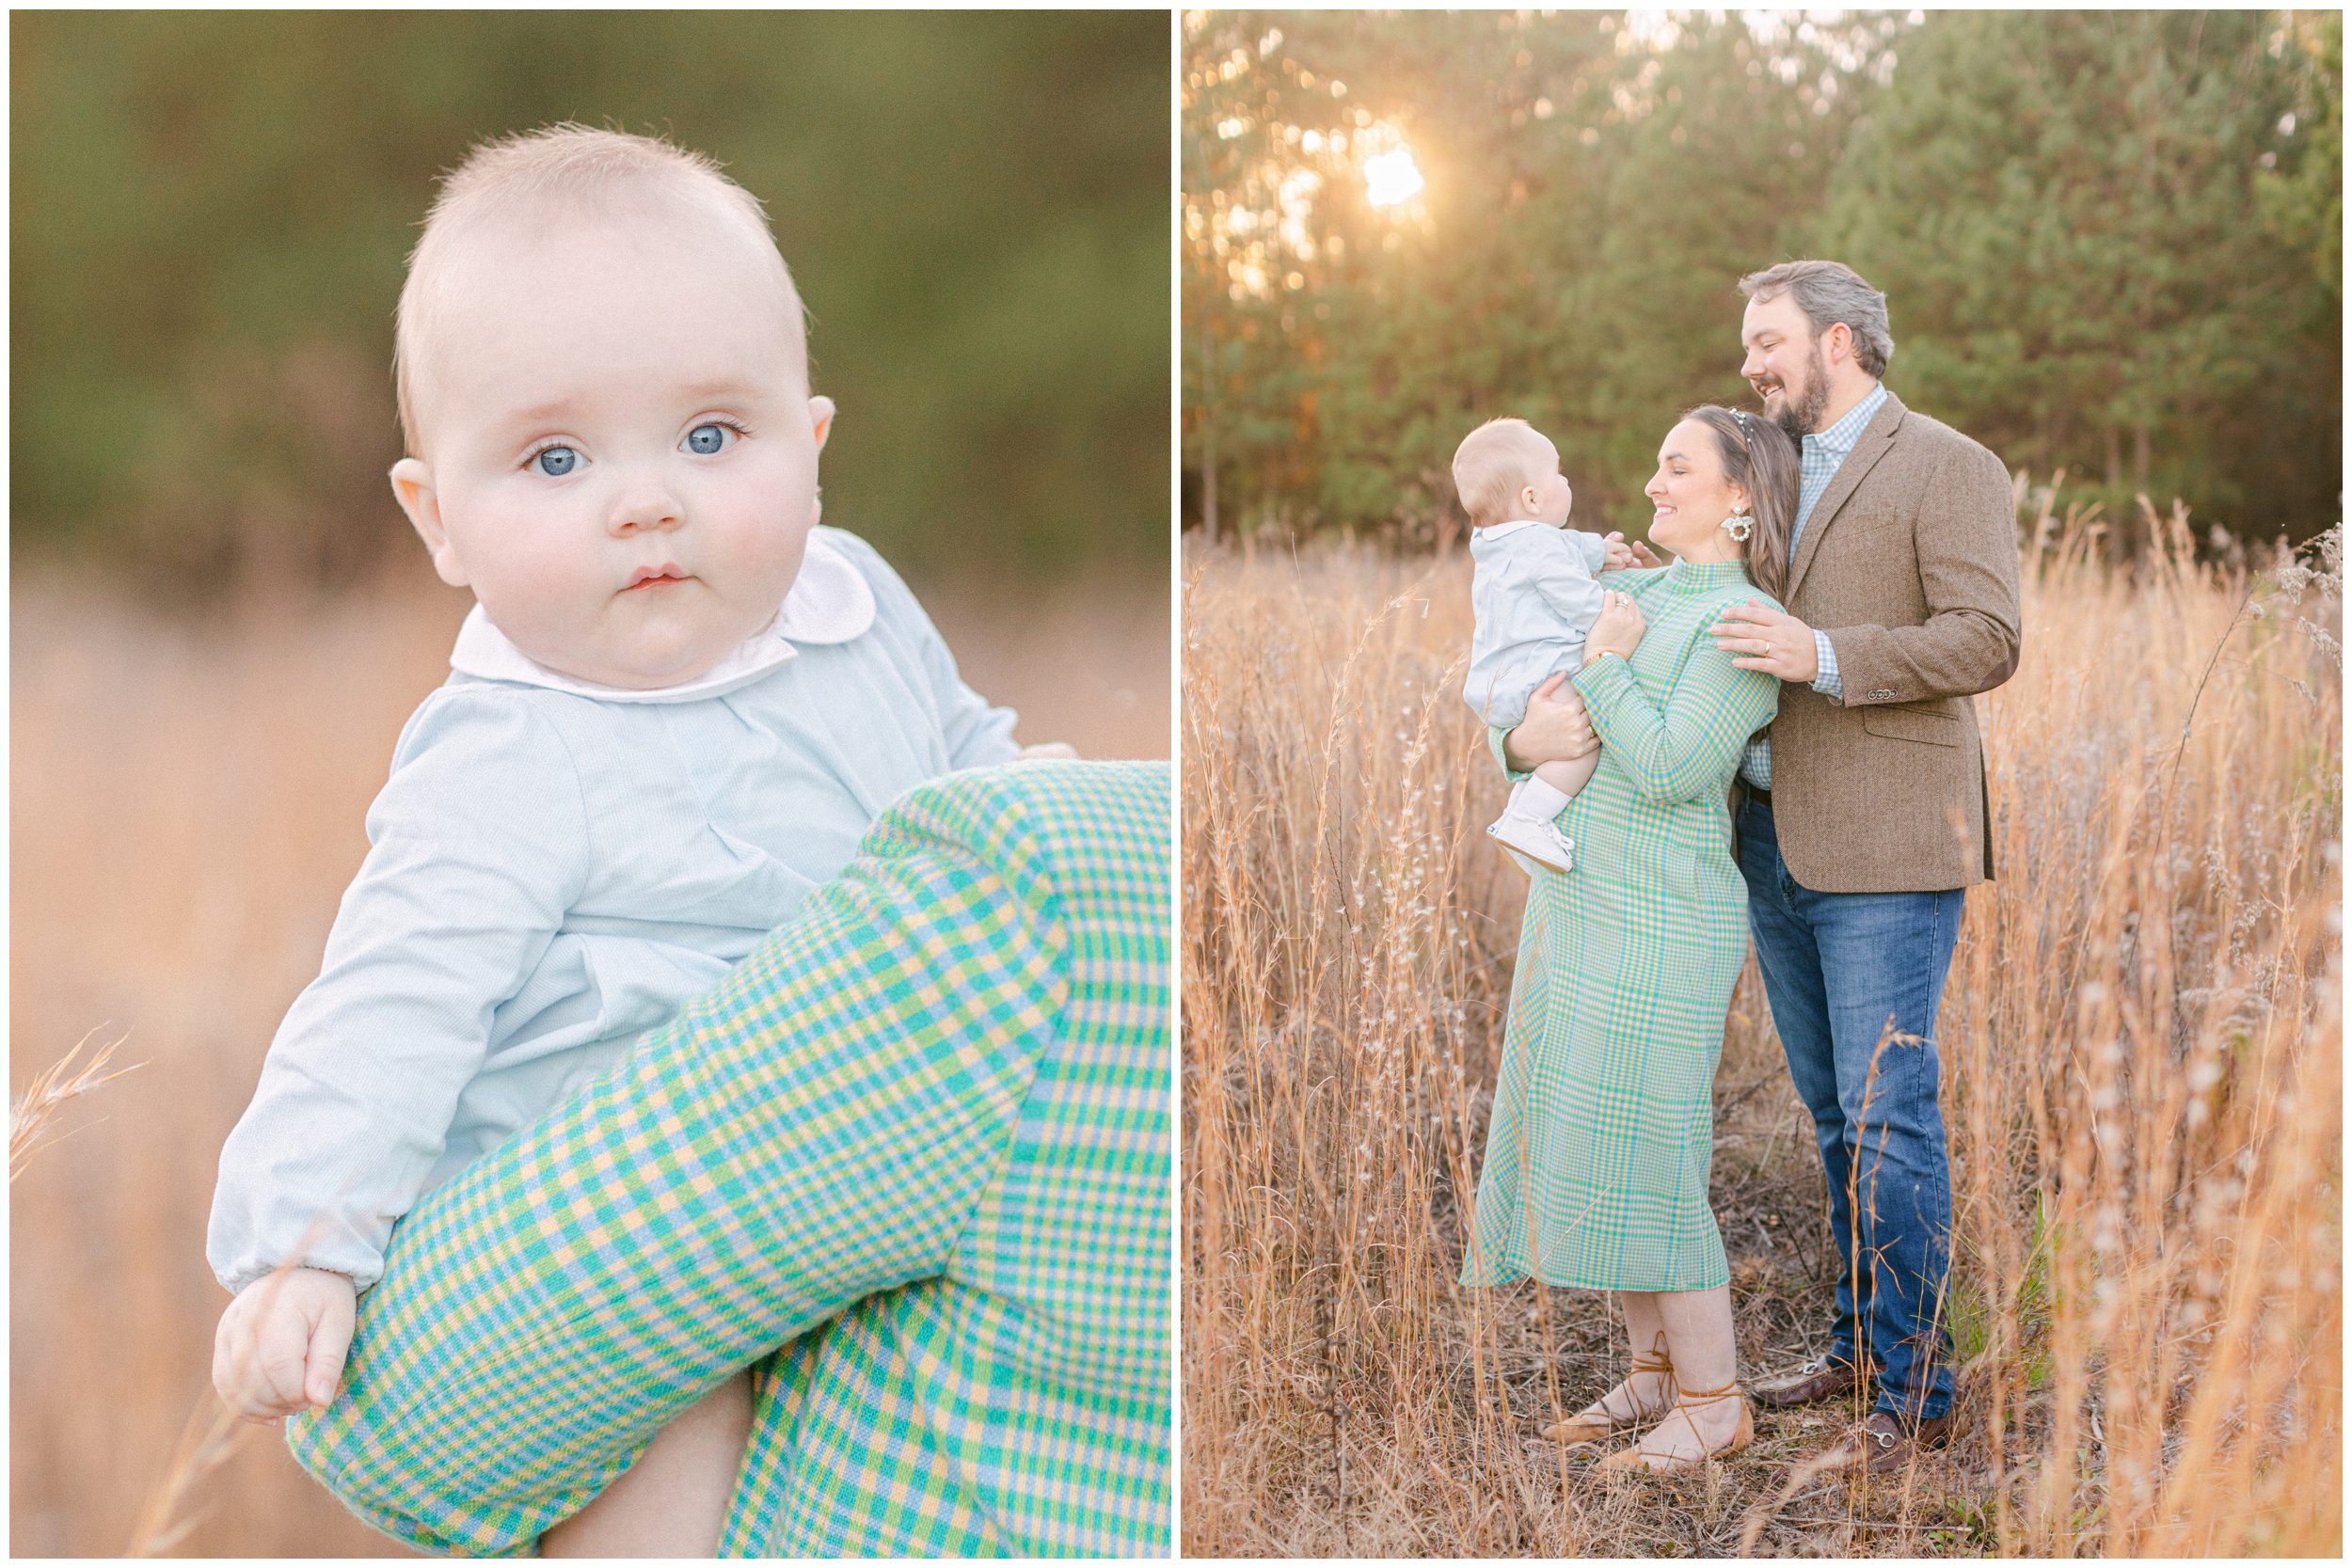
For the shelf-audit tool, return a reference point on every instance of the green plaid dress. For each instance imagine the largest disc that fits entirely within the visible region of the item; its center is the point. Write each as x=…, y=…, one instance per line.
x=910, y=1162
x=1602, y=1131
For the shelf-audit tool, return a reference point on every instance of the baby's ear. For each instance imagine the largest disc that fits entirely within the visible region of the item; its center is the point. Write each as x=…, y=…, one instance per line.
x=412, y=487
x=820, y=418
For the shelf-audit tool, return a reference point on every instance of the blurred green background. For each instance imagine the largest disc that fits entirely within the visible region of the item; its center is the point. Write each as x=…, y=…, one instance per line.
x=212, y=211
x=2110, y=243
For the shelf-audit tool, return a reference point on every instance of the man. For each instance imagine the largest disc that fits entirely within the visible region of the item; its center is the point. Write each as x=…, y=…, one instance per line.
x=1862, y=815
x=908, y=1162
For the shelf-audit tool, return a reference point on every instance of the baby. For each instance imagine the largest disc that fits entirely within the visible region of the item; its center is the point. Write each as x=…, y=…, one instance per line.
x=1534, y=598
x=673, y=710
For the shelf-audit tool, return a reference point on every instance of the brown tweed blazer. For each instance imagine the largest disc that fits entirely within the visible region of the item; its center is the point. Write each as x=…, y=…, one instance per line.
x=1909, y=562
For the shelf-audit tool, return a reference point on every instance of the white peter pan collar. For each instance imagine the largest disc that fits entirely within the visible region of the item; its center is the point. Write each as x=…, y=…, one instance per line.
x=830, y=602
x=1502, y=530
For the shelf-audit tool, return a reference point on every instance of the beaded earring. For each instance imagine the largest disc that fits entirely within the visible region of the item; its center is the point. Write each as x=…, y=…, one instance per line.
x=1739, y=525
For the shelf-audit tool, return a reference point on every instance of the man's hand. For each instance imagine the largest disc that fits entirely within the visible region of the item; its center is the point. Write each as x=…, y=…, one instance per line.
x=1772, y=640
x=1556, y=728
x=282, y=1343
x=1623, y=556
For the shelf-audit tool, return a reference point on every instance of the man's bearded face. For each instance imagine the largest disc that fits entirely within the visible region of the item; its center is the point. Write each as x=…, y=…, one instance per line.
x=1786, y=365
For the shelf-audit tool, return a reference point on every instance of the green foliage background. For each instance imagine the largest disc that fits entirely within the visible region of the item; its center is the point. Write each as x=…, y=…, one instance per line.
x=2110, y=241
x=211, y=209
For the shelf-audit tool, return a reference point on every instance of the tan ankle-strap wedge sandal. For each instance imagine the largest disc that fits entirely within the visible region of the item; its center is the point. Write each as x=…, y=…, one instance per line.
x=1592, y=1423
x=1686, y=1400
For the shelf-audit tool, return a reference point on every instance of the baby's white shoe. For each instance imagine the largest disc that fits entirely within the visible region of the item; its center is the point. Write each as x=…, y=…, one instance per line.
x=1531, y=840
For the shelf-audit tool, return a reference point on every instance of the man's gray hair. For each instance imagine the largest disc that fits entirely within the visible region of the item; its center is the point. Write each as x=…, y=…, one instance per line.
x=1829, y=292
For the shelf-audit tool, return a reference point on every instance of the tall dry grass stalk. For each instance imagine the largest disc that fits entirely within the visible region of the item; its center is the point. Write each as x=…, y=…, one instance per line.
x=2141, y=1084
x=210, y=1438
x=33, y=1115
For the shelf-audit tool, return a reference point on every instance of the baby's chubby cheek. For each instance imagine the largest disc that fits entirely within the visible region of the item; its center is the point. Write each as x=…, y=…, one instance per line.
x=556, y=608
x=569, y=643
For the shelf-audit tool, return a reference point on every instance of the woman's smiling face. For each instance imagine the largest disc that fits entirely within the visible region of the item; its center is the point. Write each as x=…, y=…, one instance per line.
x=1688, y=492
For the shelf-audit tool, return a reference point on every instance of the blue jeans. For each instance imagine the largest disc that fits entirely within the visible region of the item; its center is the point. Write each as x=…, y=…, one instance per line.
x=1837, y=967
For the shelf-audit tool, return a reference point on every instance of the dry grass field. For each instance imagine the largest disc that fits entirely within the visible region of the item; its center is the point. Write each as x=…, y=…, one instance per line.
x=188, y=808
x=2141, y=1043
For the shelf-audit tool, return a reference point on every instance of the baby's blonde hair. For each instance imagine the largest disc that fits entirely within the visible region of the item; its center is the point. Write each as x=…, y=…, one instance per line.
x=1496, y=462
x=564, y=167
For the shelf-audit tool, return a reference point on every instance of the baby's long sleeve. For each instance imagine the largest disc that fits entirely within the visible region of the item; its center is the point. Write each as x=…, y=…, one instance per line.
x=1563, y=572
x=479, y=844
x=978, y=734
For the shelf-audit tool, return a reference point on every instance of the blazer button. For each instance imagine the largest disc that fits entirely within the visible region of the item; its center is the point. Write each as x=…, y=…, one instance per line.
x=1882, y=694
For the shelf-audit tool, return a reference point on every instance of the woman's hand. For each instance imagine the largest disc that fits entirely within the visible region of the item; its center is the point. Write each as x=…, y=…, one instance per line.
x=1617, y=631
x=1556, y=728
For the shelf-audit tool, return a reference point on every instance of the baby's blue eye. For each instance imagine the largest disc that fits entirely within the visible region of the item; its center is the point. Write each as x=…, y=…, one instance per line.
x=555, y=462
x=705, y=438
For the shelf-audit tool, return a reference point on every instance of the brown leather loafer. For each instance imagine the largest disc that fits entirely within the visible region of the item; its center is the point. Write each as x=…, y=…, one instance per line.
x=1823, y=1379
x=1882, y=1443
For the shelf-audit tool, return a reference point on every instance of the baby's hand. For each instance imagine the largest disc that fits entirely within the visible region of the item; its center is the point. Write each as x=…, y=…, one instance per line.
x=1624, y=557
x=282, y=1343
x=1050, y=751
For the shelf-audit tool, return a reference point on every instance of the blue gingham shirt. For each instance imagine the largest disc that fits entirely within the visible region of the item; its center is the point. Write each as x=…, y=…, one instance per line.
x=1532, y=598
x=1823, y=453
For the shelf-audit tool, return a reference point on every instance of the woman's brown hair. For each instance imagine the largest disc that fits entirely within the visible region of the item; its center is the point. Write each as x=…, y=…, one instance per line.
x=1758, y=456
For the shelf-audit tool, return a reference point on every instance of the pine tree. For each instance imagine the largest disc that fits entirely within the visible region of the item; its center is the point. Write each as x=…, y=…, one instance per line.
x=2059, y=205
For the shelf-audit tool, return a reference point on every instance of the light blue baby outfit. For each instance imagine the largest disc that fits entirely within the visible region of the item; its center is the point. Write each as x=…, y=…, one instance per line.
x=1532, y=598
x=554, y=869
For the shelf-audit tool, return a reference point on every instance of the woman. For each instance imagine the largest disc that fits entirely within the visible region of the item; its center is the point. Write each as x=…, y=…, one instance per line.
x=1598, y=1152
x=908, y=1162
